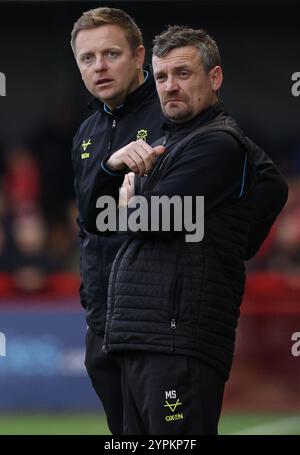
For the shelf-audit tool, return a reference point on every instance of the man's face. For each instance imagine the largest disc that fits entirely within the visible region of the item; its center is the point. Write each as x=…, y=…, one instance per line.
x=183, y=86
x=108, y=66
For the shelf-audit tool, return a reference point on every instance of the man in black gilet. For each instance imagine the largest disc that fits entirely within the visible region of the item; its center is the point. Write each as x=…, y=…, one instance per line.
x=173, y=299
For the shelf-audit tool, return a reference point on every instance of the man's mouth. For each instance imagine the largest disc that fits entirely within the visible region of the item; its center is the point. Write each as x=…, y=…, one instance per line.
x=173, y=100
x=103, y=81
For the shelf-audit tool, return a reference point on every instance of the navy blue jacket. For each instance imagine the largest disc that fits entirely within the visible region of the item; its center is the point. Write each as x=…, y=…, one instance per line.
x=102, y=133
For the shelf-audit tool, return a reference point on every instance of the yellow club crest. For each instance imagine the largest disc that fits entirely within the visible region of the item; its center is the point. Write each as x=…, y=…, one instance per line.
x=142, y=134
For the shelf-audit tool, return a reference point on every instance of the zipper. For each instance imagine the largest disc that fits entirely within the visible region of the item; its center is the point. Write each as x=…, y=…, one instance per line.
x=175, y=296
x=173, y=327
x=117, y=259
x=112, y=134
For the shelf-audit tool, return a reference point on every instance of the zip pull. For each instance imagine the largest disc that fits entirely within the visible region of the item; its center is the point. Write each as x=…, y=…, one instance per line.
x=114, y=124
x=173, y=327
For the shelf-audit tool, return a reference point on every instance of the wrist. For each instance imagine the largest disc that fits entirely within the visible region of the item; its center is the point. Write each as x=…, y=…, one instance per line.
x=111, y=170
x=115, y=166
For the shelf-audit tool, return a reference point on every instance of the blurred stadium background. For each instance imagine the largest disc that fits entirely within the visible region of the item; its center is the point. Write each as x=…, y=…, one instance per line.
x=44, y=388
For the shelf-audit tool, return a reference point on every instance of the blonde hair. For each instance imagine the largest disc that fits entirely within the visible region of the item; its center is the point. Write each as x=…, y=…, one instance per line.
x=108, y=16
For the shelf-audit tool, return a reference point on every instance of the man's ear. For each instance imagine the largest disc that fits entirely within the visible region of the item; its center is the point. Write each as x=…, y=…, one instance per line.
x=139, y=56
x=216, y=77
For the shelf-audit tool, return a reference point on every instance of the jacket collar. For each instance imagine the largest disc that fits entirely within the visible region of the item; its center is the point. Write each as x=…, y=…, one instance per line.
x=201, y=119
x=144, y=91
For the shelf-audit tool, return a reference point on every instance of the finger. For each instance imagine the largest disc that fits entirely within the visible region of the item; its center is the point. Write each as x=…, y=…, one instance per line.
x=146, y=154
x=139, y=157
x=159, y=149
x=153, y=152
x=148, y=149
x=137, y=163
x=131, y=164
x=144, y=145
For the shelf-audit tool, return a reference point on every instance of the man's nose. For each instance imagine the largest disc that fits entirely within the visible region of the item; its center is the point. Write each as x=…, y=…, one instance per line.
x=100, y=63
x=171, y=85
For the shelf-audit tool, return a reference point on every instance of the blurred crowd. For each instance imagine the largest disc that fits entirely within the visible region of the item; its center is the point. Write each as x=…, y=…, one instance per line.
x=38, y=233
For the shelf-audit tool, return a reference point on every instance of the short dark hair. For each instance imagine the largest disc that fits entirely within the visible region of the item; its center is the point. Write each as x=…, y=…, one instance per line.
x=108, y=16
x=178, y=36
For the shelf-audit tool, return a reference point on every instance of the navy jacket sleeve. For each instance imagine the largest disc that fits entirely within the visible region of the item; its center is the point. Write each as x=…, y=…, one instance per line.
x=213, y=166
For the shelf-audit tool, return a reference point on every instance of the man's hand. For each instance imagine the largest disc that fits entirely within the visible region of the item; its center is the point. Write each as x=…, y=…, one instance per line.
x=126, y=190
x=138, y=156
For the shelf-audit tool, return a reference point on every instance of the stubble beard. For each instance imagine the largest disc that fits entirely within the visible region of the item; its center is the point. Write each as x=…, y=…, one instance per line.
x=178, y=115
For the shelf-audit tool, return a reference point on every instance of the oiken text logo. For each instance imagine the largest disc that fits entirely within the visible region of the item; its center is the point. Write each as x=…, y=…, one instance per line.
x=2, y=345
x=296, y=86
x=2, y=84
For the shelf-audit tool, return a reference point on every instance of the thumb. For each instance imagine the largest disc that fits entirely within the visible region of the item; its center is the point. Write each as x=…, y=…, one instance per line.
x=159, y=149
x=130, y=177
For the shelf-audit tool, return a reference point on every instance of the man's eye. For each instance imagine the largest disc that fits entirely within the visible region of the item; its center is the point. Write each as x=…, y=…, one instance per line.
x=112, y=54
x=183, y=74
x=159, y=78
x=86, y=58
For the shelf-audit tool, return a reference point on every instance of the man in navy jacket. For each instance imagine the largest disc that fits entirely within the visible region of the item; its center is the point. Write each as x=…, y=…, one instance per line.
x=108, y=49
